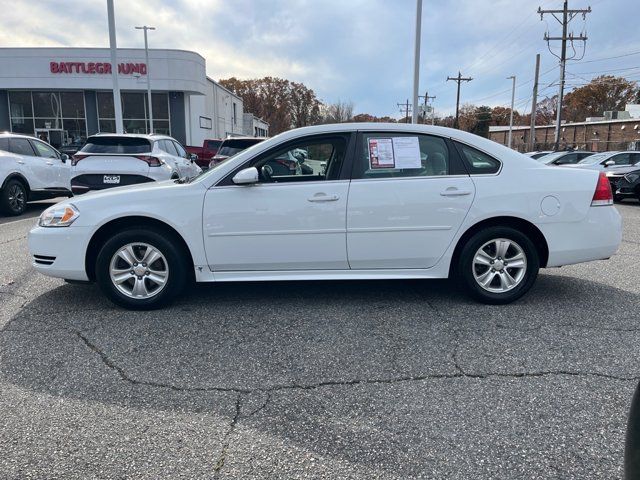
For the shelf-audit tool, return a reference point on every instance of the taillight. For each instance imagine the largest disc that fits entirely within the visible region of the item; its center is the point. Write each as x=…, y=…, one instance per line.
x=603, y=194
x=76, y=158
x=152, y=161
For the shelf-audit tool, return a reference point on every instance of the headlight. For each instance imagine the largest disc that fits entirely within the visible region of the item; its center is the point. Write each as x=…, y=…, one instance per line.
x=59, y=216
x=632, y=177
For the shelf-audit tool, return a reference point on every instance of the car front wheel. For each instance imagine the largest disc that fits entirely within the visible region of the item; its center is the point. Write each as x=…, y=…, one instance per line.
x=13, y=198
x=498, y=265
x=141, y=269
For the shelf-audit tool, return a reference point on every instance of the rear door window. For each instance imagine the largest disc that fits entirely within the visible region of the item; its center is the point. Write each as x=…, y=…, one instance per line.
x=167, y=146
x=122, y=145
x=393, y=155
x=21, y=146
x=477, y=162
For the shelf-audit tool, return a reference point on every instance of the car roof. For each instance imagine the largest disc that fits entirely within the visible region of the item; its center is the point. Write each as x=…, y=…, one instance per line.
x=18, y=135
x=153, y=136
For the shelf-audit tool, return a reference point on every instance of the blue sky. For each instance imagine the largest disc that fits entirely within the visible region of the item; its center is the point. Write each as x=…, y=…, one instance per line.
x=358, y=50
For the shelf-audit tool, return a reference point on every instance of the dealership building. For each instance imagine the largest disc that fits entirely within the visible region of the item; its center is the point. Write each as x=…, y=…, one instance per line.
x=65, y=94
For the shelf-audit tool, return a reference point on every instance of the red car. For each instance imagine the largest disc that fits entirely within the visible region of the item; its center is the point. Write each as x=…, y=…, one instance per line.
x=206, y=152
x=233, y=145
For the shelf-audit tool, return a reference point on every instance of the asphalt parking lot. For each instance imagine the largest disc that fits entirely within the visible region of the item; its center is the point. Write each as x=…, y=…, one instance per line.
x=403, y=379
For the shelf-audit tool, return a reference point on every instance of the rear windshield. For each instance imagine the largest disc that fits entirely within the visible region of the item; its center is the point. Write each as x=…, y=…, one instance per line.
x=116, y=145
x=213, y=143
x=231, y=147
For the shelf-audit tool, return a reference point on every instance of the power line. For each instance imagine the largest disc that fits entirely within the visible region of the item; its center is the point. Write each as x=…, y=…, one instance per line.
x=611, y=58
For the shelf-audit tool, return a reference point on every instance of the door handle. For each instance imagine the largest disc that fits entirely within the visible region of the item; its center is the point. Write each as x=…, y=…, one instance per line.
x=322, y=197
x=454, y=192
x=49, y=163
x=21, y=162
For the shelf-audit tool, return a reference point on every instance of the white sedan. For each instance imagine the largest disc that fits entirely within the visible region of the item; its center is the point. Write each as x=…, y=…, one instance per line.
x=393, y=201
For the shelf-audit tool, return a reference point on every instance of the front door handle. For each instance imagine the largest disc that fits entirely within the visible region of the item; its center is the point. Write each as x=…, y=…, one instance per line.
x=49, y=163
x=21, y=162
x=323, y=197
x=454, y=192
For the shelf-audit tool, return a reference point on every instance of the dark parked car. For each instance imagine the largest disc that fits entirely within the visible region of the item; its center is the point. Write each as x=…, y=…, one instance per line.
x=625, y=182
x=72, y=148
x=569, y=157
x=231, y=146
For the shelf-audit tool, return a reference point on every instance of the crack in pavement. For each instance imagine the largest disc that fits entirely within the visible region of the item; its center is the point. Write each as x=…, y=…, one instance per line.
x=13, y=240
x=225, y=440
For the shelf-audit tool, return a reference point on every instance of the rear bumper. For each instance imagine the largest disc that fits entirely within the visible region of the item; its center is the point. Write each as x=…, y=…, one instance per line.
x=95, y=181
x=596, y=237
x=60, y=252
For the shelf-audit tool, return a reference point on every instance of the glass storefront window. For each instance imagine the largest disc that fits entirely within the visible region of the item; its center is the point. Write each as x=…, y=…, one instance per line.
x=46, y=104
x=105, y=105
x=22, y=125
x=133, y=105
x=20, y=104
x=161, y=127
x=136, y=126
x=160, y=104
x=54, y=123
x=72, y=104
x=107, y=125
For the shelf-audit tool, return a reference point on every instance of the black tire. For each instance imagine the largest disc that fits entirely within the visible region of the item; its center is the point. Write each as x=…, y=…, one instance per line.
x=465, y=266
x=167, y=245
x=13, y=198
x=617, y=198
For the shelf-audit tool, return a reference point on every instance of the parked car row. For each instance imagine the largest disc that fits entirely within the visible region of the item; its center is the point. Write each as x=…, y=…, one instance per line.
x=31, y=169
x=622, y=167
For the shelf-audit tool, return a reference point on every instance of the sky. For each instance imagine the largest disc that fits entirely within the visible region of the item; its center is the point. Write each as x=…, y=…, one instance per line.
x=354, y=50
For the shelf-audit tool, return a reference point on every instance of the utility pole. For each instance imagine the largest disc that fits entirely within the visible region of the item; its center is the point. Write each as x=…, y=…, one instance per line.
x=513, y=98
x=416, y=64
x=117, y=104
x=458, y=80
x=406, y=109
x=534, y=106
x=146, y=55
x=567, y=16
x=426, y=101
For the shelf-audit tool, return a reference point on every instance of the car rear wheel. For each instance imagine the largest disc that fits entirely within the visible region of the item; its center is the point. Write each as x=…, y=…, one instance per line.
x=13, y=198
x=498, y=265
x=141, y=269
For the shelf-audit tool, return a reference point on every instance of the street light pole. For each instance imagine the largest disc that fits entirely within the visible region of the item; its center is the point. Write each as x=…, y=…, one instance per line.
x=146, y=55
x=117, y=105
x=416, y=65
x=513, y=97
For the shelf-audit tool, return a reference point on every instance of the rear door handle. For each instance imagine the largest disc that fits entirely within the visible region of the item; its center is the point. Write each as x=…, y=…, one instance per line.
x=21, y=162
x=454, y=192
x=49, y=163
x=322, y=197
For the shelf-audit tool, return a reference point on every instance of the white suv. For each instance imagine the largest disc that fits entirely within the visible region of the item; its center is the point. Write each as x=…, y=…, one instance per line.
x=111, y=160
x=30, y=169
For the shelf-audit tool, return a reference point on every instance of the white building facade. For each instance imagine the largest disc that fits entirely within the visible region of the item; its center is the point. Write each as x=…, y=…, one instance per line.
x=65, y=94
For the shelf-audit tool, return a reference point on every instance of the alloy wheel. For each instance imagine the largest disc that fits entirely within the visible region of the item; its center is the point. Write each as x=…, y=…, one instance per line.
x=139, y=270
x=16, y=198
x=499, y=265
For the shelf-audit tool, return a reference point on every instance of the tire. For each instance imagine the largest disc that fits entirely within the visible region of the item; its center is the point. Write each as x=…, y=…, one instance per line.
x=617, y=198
x=13, y=198
x=141, y=290
x=473, y=267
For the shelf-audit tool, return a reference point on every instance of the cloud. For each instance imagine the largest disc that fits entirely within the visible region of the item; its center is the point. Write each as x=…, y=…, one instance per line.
x=359, y=50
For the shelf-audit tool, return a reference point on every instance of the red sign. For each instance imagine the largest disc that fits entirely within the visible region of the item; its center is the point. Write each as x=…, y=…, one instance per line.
x=93, y=68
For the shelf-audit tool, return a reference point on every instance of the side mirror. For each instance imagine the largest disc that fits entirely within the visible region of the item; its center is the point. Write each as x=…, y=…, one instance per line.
x=609, y=163
x=247, y=176
x=193, y=157
x=64, y=157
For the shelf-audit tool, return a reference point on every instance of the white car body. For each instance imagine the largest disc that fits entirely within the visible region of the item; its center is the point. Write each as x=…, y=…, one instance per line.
x=93, y=170
x=44, y=170
x=376, y=228
x=607, y=161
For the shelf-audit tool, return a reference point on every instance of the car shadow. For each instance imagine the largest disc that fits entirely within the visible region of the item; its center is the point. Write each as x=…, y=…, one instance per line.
x=265, y=339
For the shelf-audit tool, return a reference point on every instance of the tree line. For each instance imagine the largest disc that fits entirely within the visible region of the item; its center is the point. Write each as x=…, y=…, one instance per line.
x=285, y=105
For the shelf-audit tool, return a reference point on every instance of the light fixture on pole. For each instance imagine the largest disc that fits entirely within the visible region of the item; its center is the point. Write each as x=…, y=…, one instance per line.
x=513, y=97
x=117, y=105
x=146, y=55
x=416, y=65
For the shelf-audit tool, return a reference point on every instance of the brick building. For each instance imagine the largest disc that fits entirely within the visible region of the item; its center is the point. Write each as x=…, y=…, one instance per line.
x=596, y=136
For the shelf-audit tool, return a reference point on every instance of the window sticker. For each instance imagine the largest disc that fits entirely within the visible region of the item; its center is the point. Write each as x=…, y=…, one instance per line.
x=381, y=153
x=406, y=152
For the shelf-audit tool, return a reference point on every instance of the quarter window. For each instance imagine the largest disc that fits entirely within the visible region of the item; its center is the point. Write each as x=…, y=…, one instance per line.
x=477, y=162
x=167, y=146
x=21, y=146
x=181, y=151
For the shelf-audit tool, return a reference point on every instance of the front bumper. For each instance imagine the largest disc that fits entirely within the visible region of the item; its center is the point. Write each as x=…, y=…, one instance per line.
x=596, y=237
x=60, y=252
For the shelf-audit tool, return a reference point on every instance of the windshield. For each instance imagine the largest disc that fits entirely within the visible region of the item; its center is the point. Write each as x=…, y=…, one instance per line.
x=550, y=157
x=127, y=145
x=593, y=159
